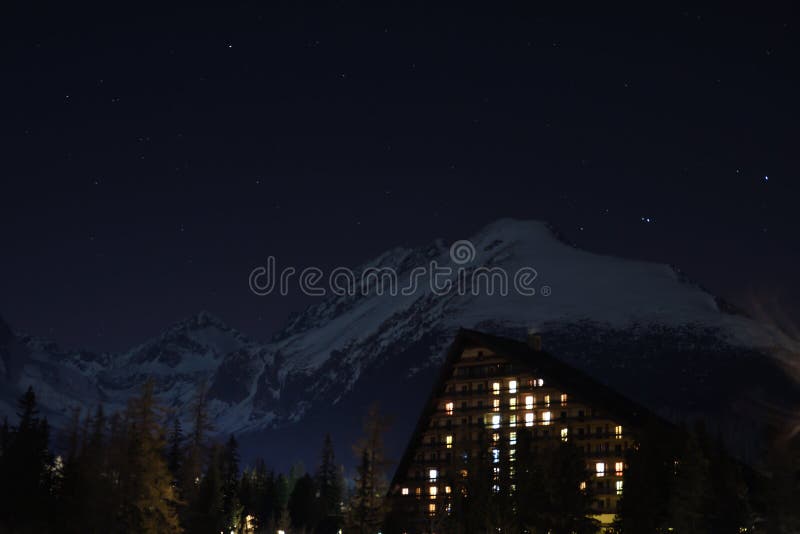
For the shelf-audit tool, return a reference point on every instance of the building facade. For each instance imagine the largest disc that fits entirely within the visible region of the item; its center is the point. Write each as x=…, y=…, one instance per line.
x=492, y=389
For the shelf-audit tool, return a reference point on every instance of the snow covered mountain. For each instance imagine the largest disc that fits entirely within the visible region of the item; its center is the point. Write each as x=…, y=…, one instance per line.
x=640, y=327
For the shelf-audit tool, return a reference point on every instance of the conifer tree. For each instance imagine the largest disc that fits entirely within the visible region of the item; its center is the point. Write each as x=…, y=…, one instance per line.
x=151, y=508
x=367, y=504
x=691, y=492
x=175, y=448
x=330, y=487
x=25, y=467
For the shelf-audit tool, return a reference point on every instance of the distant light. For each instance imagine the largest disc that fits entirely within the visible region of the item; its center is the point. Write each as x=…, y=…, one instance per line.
x=766, y=178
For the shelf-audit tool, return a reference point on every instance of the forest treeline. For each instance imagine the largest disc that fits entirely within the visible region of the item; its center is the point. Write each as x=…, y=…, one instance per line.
x=140, y=471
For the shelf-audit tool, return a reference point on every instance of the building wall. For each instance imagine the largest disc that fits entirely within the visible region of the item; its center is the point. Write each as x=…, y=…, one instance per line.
x=487, y=391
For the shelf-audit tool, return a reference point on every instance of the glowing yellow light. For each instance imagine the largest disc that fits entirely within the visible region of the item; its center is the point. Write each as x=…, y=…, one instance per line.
x=529, y=419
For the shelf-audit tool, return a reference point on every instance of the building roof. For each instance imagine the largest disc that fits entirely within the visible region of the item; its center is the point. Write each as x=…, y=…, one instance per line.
x=575, y=382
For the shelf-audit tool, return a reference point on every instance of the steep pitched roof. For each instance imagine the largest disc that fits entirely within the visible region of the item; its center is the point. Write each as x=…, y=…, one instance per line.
x=576, y=382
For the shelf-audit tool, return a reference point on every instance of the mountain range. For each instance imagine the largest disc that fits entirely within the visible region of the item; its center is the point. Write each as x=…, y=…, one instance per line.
x=642, y=328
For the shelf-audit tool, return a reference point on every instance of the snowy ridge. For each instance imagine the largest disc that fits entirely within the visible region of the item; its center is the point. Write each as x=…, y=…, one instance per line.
x=319, y=358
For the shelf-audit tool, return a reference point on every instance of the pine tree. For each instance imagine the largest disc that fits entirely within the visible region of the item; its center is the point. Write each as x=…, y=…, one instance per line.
x=206, y=515
x=197, y=446
x=330, y=489
x=231, y=504
x=649, y=473
x=367, y=504
x=175, y=448
x=302, y=504
x=691, y=492
x=26, y=461
x=151, y=508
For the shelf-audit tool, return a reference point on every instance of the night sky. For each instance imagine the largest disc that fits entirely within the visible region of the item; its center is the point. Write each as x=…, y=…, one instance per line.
x=152, y=158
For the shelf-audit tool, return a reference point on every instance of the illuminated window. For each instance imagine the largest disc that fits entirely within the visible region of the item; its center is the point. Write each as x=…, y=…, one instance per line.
x=540, y=382
x=496, y=488
x=529, y=419
x=447, y=489
x=583, y=485
x=433, y=473
x=512, y=386
x=546, y=418
x=563, y=399
x=496, y=405
x=404, y=491
x=512, y=403
x=449, y=441
x=512, y=421
x=618, y=432
x=547, y=400
x=564, y=434
x=619, y=487
x=496, y=388
x=618, y=467
x=495, y=456
x=432, y=490
x=418, y=492
x=448, y=407
x=512, y=438
x=529, y=402
x=432, y=508
x=600, y=469
x=512, y=453
x=496, y=437
x=495, y=421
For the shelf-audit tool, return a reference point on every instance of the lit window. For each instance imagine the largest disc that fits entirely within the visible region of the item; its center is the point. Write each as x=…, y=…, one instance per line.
x=546, y=418
x=529, y=402
x=495, y=421
x=432, y=491
x=418, y=492
x=496, y=405
x=618, y=432
x=496, y=437
x=583, y=485
x=512, y=386
x=404, y=491
x=618, y=468
x=541, y=382
x=447, y=489
x=496, y=488
x=619, y=487
x=496, y=455
x=563, y=399
x=512, y=453
x=512, y=438
x=512, y=403
x=432, y=508
x=449, y=441
x=433, y=473
x=600, y=469
x=512, y=421
x=547, y=400
x=448, y=407
x=496, y=388
x=564, y=434
x=529, y=419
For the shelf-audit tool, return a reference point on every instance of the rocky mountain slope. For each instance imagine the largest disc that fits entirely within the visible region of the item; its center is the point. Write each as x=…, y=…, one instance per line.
x=640, y=327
